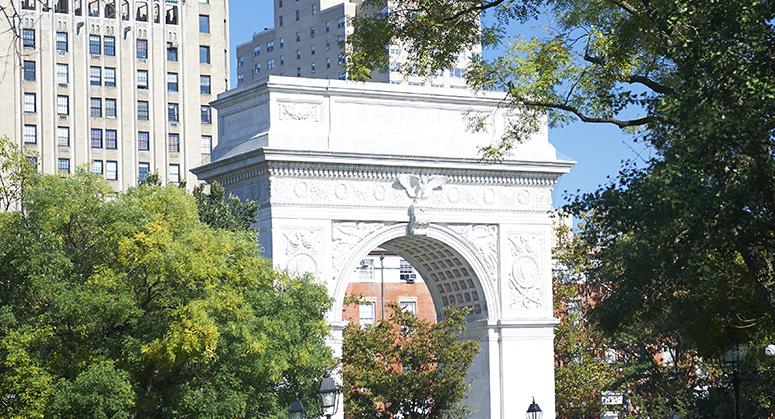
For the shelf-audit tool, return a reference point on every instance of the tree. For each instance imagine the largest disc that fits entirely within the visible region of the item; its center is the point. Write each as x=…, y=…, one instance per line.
x=217, y=211
x=127, y=305
x=15, y=172
x=682, y=243
x=584, y=369
x=407, y=367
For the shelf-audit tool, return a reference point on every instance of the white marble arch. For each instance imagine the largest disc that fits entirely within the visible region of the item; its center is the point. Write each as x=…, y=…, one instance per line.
x=340, y=168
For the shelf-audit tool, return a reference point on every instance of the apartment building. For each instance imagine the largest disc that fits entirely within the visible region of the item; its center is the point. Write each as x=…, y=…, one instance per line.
x=119, y=86
x=307, y=41
x=383, y=278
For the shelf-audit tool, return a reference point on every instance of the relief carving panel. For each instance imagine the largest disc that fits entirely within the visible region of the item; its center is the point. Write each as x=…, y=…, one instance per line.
x=525, y=279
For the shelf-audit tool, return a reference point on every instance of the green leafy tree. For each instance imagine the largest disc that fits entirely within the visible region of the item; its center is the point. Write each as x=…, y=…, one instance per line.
x=218, y=211
x=15, y=172
x=682, y=243
x=582, y=373
x=128, y=305
x=407, y=367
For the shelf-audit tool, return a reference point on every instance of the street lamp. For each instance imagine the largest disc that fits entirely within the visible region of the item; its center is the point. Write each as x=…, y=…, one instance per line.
x=297, y=410
x=534, y=411
x=329, y=396
x=732, y=357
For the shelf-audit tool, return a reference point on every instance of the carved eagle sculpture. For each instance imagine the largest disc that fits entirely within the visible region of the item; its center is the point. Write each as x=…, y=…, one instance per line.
x=420, y=187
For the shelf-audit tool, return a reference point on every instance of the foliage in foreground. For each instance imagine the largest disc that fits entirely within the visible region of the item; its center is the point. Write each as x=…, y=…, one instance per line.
x=682, y=243
x=406, y=367
x=127, y=305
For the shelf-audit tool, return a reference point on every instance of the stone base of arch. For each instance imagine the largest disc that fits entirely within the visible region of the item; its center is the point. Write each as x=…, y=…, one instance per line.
x=332, y=187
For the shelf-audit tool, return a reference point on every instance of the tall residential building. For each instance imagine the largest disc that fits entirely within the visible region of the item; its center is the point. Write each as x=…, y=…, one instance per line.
x=307, y=41
x=119, y=86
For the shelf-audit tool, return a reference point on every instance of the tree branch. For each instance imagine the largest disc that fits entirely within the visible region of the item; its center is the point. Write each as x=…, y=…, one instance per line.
x=621, y=123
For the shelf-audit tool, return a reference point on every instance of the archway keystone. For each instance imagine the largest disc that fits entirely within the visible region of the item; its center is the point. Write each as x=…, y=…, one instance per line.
x=340, y=168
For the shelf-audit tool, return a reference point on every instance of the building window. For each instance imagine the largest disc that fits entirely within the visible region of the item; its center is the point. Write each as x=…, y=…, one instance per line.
x=95, y=107
x=312, y=50
x=94, y=8
x=207, y=144
x=63, y=74
x=328, y=26
x=312, y=68
x=110, y=77
x=173, y=143
x=406, y=272
x=408, y=305
x=270, y=64
x=312, y=32
x=204, y=24
x=95, y=76
x=257, y=69
x=143, y=141
x=281, y=21
x=109, y=46
x=96, y=167
x=298, y=54
x=204, y=54
x=143, y=171
x=270, y=46
x=111, y=139
x=328, y=62
x=173, y=173
x=63, y=105
x=110, y=108
x=62, y=42
x=172, y=82
x=28, y=38
x=298, y=15
x=282, y=42
x=63, y=165
x=29, y=4
x=30, y=134
x=256, y=51
x=367, y=313
x=205, y=85
x=142, y=110
x=96, y=138
x=142, y=79
x=111, y=170
x=341, y=22
x=95, y=45
x=207, y=114
x=63, y=137
x=173, y=112
x=142, y=48
x=30, y=103
x=29, y=71
x=172, y=52
x=298, y=36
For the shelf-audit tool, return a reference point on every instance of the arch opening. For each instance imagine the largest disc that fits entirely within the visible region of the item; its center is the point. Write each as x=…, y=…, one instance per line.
x=444, y=273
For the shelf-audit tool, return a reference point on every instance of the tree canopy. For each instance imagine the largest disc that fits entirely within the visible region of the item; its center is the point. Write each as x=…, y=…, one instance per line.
x=682, y=243
x=407, y=367
x=127, y=305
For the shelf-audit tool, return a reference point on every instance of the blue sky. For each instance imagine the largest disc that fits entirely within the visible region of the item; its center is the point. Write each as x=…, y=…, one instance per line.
x=598, y=149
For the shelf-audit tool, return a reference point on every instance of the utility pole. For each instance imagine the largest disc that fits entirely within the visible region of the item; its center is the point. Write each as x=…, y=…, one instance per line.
x=382, y=284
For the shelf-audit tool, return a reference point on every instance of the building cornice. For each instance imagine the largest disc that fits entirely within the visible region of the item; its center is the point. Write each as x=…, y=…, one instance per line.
x=337, y=165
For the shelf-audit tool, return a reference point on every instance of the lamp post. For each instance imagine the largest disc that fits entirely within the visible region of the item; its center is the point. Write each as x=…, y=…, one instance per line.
x=534, y=411
x=297, y=410
x=329, y=396
x=732, y=357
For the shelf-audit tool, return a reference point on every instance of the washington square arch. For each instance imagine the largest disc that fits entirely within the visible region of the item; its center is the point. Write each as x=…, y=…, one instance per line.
x=341, y=168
